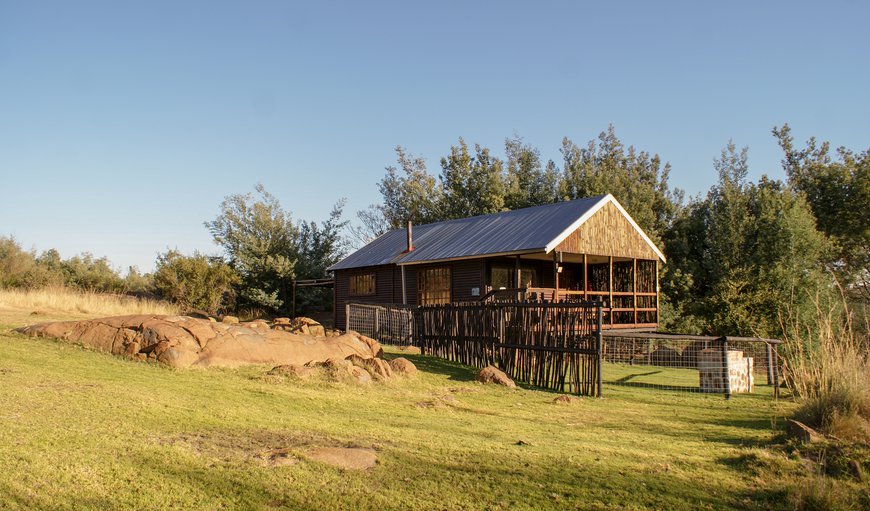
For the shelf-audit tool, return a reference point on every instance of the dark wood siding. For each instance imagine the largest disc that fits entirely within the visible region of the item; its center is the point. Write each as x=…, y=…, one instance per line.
x=385, y=289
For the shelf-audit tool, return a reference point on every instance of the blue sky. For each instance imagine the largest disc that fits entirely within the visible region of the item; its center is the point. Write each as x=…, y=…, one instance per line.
x=124, y=124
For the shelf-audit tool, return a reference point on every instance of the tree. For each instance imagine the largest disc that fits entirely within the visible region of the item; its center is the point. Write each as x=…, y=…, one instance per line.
x=412, y=195
x=260, y=241
x=838, y=191
x=318, y=248
x=472, y=185
x=638, y=180
x=527, y=183
x=195, y=282
x=742, y=253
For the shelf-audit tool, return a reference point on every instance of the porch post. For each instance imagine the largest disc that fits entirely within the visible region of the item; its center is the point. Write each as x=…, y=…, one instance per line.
x=518, y=277
x=585, y=280
x=610, y=286
x=634, y=287
x=555, y=277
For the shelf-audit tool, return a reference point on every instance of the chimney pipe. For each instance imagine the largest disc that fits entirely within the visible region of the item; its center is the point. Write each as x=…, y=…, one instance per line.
x=410, y=237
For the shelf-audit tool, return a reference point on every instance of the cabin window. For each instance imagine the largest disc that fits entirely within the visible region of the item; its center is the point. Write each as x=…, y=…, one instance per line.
x=434, y=285
x=504, y=277
x=362, y=285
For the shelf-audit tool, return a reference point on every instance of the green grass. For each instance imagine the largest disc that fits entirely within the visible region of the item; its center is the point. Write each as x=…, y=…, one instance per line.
x=85, y=430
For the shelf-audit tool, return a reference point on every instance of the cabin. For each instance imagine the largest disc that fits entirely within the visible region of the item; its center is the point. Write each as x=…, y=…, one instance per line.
x=583, y=249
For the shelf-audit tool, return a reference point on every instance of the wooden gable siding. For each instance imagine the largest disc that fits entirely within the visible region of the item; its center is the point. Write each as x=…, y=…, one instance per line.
x=607, y=233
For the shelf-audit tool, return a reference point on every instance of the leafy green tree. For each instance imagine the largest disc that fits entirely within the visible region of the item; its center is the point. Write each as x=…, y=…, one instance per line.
x=837, y=188
x=412, y=194
x=472, y=184
x=196, y=282
x=318, y=248
x=737, y=256
x=260, y=241
x=528, y=184
x=638, y=180
x=90, y=273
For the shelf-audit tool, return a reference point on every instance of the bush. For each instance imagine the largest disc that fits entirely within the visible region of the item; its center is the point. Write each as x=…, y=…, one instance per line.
x=195, y=282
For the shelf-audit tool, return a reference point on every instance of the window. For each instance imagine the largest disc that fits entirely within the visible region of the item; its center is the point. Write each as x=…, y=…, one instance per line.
x=504, y=277
x=433, y=285
x=362, y=285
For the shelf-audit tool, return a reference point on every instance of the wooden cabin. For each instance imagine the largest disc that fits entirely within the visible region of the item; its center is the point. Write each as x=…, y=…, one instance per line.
x=581, y=249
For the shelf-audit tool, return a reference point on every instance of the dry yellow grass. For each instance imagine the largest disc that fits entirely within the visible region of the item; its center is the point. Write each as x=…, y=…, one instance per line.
x=82, y=302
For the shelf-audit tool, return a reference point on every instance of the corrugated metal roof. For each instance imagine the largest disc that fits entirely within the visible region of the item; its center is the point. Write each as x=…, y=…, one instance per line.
x=521, y=230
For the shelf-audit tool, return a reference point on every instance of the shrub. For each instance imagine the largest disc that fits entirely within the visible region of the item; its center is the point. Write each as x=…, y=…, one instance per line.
x=197, y=281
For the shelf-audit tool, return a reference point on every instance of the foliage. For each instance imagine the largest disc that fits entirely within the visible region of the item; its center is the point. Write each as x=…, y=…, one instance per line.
x=472, y=184
x=475, y=183
x=527, y=183
x=638, y=180
x=319, y=247
x=838, y=191
x=195, y=282
x=412, y=195
x=259, y=239
x=27, y=270
x=736, y=256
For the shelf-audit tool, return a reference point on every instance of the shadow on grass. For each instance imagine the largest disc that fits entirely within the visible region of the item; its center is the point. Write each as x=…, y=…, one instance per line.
x=454, y=371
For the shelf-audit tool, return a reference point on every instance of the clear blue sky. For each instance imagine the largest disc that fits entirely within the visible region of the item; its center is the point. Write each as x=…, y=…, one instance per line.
x=124, y=124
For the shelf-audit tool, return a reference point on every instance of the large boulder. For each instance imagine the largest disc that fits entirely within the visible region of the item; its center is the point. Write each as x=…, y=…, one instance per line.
x=491, y=374
x=183, y=341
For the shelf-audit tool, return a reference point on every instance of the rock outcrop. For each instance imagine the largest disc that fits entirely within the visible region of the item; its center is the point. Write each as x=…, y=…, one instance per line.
x=183, y=341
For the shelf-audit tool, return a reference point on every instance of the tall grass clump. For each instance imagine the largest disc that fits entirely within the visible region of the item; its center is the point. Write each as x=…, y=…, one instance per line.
x=826, y=361
x=63, y=299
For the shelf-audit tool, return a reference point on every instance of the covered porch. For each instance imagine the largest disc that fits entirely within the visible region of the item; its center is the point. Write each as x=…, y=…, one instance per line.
x=629, y=286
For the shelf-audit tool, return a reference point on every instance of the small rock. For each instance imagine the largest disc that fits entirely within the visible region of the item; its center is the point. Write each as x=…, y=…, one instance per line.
x=410, y=350
x=802, y=432
x=566, y=400
x=491, y=374
x=378, y=367
x=281, y=321
x=403, y=366
x=522, y=442
x=232, y=320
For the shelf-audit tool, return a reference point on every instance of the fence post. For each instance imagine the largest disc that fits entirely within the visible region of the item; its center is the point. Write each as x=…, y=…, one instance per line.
x=775, y=372
x=599, y=345
x=726, y=368
x=375, y=332
x=769, y=363
x=346, y=317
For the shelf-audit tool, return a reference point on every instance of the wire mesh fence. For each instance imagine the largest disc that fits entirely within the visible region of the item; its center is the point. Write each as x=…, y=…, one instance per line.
x=722, y=365
x=389, y=323
x=557, y=346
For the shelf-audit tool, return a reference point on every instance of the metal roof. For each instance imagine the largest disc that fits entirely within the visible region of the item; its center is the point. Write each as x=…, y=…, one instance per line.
x=510, y=232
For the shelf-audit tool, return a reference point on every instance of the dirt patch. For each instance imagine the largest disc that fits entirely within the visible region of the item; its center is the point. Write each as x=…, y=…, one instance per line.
x=274, y=449
x=347, y=458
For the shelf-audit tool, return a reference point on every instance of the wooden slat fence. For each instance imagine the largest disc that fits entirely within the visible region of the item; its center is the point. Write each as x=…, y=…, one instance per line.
x=551, y=345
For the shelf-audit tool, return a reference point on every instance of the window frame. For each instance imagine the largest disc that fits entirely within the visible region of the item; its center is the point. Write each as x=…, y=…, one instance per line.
x=442, y=294
x=354, y=284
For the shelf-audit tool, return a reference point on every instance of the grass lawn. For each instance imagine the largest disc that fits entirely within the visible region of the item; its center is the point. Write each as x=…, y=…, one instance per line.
x=81, y=429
